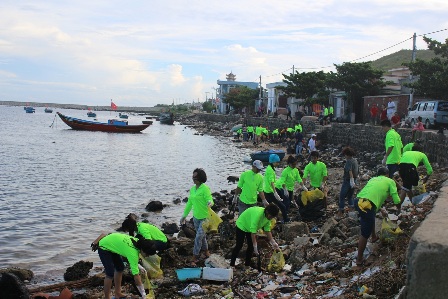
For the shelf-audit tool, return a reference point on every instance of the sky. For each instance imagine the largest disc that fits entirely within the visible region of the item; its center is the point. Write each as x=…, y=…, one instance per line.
x=143, y=53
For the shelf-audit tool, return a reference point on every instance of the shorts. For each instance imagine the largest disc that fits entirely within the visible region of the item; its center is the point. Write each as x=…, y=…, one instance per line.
x=409, y=175
x=367, y=219
x=111, y=261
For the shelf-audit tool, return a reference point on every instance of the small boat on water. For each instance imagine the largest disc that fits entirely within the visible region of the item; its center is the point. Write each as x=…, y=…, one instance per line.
x=166, y=118
x=91, y=114
x=122, y=115
x=112, y=125
x=263, y=156
x=148, y=122
x=29, y=109
x=48, y=110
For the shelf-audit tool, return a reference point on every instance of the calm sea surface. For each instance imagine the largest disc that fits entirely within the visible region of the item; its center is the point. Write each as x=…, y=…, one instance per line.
x=60, y=188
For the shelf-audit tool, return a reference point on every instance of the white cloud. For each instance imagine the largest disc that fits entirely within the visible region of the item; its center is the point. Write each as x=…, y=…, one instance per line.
x=156, y=51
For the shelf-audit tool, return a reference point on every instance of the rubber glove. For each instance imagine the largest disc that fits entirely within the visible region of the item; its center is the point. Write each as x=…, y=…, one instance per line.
x=182, y=220
x=286, y=192
x=141, y=289
x=235, y=199
x=277, y=197
x=256, y=249
x=304, y=188
x=142, y=269
x=384, y=160
x=94, y=247
x=274, y=244
x=352, y=183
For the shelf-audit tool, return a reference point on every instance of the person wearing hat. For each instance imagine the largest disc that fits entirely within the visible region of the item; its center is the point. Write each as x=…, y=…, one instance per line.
x=200, y=200
x=270, y=192
x=316, y=170
x=111, y=248
x=249, y=186
x=312, y=143
x=369, y=202
x=247, y=226
x=146, y=231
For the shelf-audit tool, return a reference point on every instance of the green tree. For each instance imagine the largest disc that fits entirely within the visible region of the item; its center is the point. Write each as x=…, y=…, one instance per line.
x=241, y=96
x=310, y=86
x=356, y=80
x=207, y=106
x=432, y=76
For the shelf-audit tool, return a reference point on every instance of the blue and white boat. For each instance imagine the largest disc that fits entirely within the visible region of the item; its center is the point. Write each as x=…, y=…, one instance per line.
x=263, y=156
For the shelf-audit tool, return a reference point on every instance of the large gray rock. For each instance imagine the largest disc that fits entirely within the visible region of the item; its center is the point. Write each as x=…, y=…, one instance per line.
x=427, y=254
x=294, y=229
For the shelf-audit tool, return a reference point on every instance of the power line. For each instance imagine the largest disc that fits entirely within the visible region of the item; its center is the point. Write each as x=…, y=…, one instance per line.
x=324, y=67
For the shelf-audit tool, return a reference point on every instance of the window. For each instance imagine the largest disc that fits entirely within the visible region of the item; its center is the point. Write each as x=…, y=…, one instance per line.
x=420, y=107
x=415, y=107
x=443, y=106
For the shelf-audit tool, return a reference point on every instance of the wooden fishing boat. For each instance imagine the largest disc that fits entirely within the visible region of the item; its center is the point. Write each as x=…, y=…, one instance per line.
x=30, y=109
x=122, y=115
x=91, y=114
x=48, y=110
x=113, y=125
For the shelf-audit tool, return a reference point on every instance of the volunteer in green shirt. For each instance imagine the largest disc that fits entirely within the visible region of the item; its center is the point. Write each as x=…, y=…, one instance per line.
x=264, y=134
x=269, y=186
x=316, y=170
x=325, y=115
x=393, y=147
x=285, y=184
x=111, y=248
x=298, y=127
x=408, y=170
x=250, y=132
x=331, y=112
x=258, y=131
x=247, y=226
x=290, y=132
x=200, y=199
x=250, y=185
x=408, y=147
x=146, y=231
x=275, y=135
x=239, y=132
x=370, y=199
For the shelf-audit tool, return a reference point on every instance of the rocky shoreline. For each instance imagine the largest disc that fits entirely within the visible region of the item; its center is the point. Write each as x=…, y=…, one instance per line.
x=319, y=254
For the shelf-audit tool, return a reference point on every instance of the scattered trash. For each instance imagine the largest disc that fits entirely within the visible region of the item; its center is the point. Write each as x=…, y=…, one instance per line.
x=192, y=289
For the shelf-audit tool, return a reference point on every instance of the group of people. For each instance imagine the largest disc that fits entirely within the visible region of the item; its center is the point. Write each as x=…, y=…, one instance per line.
x=277, y=196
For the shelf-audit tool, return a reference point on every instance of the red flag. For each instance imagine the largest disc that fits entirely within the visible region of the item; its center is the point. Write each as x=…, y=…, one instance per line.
x=113, y=106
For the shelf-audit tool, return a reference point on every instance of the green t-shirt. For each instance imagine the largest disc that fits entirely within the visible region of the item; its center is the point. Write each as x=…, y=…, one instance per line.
x=331, y=109
x=393, y=139
x=250, y=183
x=317, y=172
x=325, y=111
x=298, y=128
x=253, y=219
x=275, y=132
x=250, y=129
x=258, y=130
x=265, y=131
x=290, y=130
x=414, y=157
x=121, y=244
x=288, y=177
x=198, y=200
x=378, y=189
x=239, y=131
x=269, y=177
x=408, y=147
x=150, y=232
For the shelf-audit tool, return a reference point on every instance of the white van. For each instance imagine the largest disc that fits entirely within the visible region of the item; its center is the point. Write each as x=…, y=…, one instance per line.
x=434, y=113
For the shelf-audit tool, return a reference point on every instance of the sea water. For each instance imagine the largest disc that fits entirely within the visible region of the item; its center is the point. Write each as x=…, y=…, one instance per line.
x=61, y=188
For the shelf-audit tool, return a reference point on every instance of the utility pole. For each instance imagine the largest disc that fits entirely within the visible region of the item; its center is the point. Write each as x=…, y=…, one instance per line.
x=259, y=96
x=293, y=69
x=411, y=77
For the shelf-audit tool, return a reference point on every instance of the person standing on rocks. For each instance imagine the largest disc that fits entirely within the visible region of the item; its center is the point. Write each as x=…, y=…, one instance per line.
x=146, y=231
x=247, y=226
x=269, y=189
x=285, y=184
x=111, y=248
x=317, y=171
x=351, y=170
x=393, y=147
x=200, y=200
x=369, y=202
x=250, y=132
x=250, y=185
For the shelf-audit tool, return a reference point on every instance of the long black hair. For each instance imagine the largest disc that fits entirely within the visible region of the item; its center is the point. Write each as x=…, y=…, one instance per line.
x=129, y=225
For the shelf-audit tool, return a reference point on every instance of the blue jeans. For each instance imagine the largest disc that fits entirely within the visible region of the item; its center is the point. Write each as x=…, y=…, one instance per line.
x=200, y=242
x=299, y=147
x=346, y=192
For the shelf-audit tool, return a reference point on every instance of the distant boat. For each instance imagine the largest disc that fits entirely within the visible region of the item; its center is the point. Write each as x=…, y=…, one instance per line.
x=48, y=110
x=263, y=156
x=91, y=114
x=30, y=109
x=113, y=125
x=166, y=118
x=148, y=122
x=122, y=115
